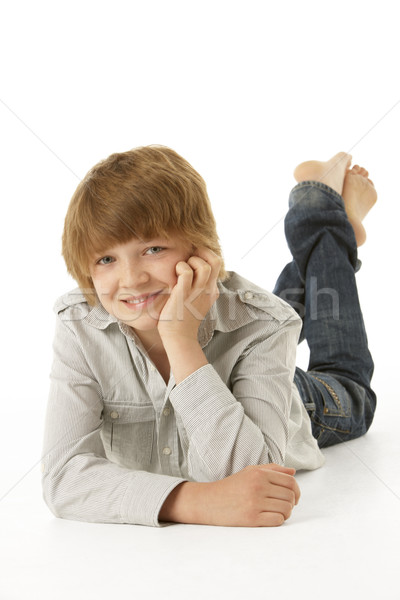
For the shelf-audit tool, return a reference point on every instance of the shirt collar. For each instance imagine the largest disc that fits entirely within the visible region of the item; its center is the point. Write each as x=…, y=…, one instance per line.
x=99, y=317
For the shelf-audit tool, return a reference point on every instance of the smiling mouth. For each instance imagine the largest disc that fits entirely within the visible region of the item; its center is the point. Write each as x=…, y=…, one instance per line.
x=140, y=301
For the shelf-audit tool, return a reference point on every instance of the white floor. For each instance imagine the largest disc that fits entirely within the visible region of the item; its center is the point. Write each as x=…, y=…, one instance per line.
x=342, y=541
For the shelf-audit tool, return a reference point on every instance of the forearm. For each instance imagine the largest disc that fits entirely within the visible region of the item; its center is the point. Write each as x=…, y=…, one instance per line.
x=259, y=495
x=186, y=504
x=185, y=356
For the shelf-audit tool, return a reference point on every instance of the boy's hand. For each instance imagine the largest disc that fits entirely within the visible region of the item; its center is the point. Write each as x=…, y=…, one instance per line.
x=257, y=496
x=195, y=292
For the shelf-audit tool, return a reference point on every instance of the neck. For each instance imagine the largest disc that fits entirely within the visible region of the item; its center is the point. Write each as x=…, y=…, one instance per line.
x=151, y=341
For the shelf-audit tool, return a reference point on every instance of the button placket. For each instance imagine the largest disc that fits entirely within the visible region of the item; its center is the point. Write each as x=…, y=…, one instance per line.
x=167, y=442
x=114, y=415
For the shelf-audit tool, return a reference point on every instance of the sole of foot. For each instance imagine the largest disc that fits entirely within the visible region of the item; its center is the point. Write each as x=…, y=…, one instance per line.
x=331, y=172
x=359, y=196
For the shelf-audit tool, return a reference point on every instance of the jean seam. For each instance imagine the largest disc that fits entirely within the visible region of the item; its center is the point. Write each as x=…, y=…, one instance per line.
x=325, y=427
x=334, y=397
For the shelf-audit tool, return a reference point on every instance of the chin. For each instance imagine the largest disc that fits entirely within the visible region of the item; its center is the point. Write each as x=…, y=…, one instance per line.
x=138, y=325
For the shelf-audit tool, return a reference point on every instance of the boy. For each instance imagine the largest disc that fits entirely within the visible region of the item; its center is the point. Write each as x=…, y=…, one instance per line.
x=174, y=393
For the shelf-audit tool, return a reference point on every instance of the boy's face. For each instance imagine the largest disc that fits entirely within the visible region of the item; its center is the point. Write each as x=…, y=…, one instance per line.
x=134, y=280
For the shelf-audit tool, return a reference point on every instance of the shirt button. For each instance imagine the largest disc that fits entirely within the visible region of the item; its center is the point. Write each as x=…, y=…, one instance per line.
x=167, y=451
x=248, y=296
x=166, y=412
x=114, y=414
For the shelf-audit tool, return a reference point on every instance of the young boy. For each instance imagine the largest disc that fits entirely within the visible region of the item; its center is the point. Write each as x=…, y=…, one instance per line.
x=174, y=392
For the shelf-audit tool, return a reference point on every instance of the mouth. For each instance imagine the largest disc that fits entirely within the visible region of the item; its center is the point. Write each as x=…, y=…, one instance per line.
x=138, y=302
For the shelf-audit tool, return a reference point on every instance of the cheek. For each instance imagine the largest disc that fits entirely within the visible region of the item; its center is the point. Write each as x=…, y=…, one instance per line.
x=166, y=272
x=103, y=287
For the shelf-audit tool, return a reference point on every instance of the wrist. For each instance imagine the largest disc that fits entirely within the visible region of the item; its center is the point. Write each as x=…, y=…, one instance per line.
x=183, y=333
x=185, y=356
x=186, y=504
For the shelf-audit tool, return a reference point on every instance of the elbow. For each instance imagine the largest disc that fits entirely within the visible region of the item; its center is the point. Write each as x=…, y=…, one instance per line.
x=52, y=496
x=56, y=493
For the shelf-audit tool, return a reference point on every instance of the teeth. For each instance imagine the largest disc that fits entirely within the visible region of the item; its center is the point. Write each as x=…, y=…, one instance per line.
x=136, y=301
x=139, y=300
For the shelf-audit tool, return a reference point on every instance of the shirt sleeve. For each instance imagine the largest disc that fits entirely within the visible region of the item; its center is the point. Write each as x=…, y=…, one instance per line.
x=247, y=423
x=78, y=481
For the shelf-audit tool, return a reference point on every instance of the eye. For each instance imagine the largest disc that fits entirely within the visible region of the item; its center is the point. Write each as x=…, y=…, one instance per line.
x=154, y=250
x=106, y=260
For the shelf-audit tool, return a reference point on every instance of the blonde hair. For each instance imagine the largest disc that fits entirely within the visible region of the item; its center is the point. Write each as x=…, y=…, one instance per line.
x=144, y=193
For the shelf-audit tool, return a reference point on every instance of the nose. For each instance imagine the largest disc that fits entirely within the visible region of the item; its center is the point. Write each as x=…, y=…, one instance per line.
x=133, y=275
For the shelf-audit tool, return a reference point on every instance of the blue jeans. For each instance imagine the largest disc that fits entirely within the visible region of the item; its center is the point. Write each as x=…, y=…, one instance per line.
x=320, y=285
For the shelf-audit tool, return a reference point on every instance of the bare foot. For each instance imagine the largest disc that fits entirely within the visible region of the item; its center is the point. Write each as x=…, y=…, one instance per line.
x=359, y=196
x=331, y=172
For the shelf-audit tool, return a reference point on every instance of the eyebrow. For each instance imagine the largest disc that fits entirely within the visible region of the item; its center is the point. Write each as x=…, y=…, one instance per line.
x=156, y=241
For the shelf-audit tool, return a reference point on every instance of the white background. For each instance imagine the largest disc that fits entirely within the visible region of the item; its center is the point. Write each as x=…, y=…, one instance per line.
x=244, y=91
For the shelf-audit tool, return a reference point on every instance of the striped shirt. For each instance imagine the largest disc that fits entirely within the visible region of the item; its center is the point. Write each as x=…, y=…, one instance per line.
x=118, y=439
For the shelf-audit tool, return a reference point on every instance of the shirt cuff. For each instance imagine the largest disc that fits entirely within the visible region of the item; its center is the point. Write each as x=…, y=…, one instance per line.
x=145, y=496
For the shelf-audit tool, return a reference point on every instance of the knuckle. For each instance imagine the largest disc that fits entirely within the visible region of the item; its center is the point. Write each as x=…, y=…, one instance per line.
x=249, y=468
x=183, y=265
x=256, y=474
x=257, y=480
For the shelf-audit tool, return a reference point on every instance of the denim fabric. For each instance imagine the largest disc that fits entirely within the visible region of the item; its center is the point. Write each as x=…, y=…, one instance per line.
x=320, y=285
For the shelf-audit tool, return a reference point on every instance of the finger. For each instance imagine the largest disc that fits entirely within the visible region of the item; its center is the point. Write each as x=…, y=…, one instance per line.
x=270, y=519
x=211, y=258
x=297, y=492
x=182, y=268
x=279, y=506
x=203, y=281
x=275, y=515
x=185, y=277
x=280, y=468
x=284, y=480
x=282, y=493
x=202, y=271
